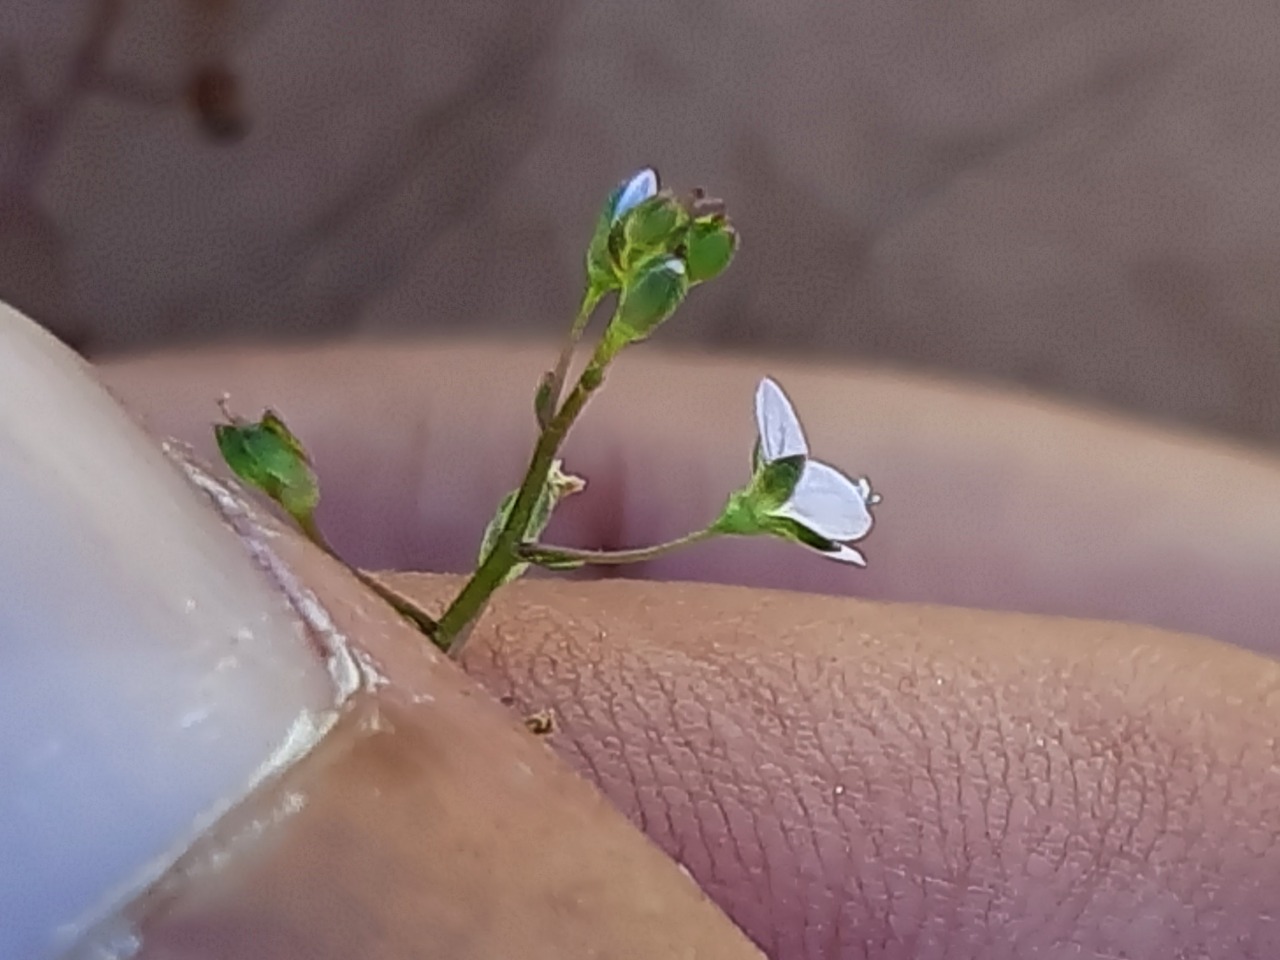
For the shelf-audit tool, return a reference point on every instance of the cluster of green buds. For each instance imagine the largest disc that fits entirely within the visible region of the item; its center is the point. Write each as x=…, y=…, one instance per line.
x=653, y=247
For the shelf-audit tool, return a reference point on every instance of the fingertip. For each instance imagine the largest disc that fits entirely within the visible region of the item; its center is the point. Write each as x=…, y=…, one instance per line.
x=137, y=637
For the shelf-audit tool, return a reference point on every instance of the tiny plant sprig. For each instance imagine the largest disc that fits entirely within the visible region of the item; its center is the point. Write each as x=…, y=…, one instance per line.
x=648, y=250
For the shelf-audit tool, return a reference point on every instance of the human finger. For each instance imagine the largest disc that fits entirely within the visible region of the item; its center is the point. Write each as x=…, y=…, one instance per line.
x=217, y=744
x=849, y=778
x=991, y=499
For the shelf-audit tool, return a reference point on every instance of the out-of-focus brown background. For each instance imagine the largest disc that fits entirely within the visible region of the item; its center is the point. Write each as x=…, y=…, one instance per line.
x=1081, y=197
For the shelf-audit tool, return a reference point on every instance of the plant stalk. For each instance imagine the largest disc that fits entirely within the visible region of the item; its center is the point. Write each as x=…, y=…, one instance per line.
x=451, y=633
x=614, y=557
x=398, y=602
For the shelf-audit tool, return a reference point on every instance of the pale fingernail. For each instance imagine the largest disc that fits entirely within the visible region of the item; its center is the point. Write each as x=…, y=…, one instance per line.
x=150, y=674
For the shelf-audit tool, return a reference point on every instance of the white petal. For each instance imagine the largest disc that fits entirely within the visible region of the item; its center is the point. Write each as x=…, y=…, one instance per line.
x=635, y=191
x=845, y=554
x=780, y=431
x=828, y=503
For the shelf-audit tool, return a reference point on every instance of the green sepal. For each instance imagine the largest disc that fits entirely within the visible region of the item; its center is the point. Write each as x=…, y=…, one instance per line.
x=603, y=259
x=789, y=529
x=602, y=271
x=269, y=456
x=656, y=225
x=745, y=515
x=750, y=511
x=655, y=291
x=741, y=516
x=709, y=246
x=775, y=482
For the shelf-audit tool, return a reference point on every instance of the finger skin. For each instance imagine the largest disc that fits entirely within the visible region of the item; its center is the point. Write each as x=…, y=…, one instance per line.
x=854, y=779
x=991, y=499
x=1070, y=788
x=429, y=824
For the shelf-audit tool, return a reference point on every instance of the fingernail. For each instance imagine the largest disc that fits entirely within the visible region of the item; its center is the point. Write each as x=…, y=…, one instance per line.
x=152, y=674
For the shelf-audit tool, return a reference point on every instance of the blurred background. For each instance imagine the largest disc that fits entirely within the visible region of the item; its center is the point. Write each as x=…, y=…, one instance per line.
x=1083, y=198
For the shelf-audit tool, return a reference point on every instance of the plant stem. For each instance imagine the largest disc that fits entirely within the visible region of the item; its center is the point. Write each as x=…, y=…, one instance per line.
x=451, y=633
x=614, y=557
x=589, y=301
x=398, y=602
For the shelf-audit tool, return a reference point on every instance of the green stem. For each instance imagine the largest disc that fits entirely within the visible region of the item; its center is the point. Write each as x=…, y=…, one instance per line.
x=451, y=633
x=398, y=602
x=614, y=557
x=589, y=301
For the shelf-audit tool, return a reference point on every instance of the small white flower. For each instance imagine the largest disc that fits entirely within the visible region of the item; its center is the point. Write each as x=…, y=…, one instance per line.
x=635, y=191
x=824, y=501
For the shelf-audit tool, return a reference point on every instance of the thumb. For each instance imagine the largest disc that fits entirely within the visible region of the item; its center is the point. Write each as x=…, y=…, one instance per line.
x=214, y=743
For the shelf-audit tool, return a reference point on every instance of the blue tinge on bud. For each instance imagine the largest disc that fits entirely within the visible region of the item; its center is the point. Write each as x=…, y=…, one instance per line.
x=633, y=192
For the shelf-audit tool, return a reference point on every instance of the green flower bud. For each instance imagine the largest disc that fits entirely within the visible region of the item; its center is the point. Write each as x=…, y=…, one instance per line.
x=710, y=244
x=268, y=456
x=654, y=292
x=602, y=268
x=653, y=226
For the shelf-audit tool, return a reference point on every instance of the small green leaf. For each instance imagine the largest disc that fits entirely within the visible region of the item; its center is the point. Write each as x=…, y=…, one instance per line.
x=267, y=455
x=494, y=527
x=558, y=486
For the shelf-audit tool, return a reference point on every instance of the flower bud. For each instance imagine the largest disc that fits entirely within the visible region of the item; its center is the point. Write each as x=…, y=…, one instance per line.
x=654, y=226
x=602, y=268
x=710, y=244
x=652, y=295
x=268, y=456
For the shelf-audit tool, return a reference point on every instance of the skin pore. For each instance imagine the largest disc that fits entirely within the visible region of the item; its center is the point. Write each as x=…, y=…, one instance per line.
x=843, y=778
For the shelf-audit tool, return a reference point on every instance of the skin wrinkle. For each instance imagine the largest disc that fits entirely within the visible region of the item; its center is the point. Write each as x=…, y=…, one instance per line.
x=667, y=789
x=707, y=795
x=1061, y=875
x=846, y=811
